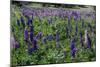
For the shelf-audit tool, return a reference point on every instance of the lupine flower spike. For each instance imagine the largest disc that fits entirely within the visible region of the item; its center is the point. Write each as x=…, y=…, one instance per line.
x=88, y=41
x=22, y=21
x=73, y=49
x=26, y=35
x=81, y=39
x=18, y=22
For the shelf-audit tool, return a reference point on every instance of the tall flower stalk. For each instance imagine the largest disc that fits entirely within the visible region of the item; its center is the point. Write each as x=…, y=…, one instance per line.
x=73, y=49
x=18, y=22
x=26, y=36
x=81, y=39
x=22, y=21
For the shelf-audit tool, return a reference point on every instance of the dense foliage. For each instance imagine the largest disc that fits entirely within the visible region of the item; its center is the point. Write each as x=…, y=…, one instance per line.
x=52, y=35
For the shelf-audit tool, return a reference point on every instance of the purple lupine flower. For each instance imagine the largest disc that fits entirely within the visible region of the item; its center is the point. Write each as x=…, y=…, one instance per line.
x=25, y=35
x=73, y=49
x=69, y=18
x=17, y=45
x=69, y=25
x=18, y=22
x=34, y=43
x=31, y=36
x=76, y=15
x=30, y=50
x=76, y=30
x=39, y=35
x=57, y=37
x=73, y=52
x=22, y=21
x=88, y=42
x=31, y=28
x=81, y=38
x=29, y=22
x=66, y=31
x=72, y=45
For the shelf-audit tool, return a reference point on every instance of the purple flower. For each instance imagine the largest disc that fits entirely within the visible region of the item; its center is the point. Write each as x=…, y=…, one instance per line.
x=39, y=35
x=81, y=38
x=76, y=28
x=76, y=15
x=31, y=36
x=16, y=45
x=18, y=22
x=72, y=47
x=22, y=21
x=69, y=25
x=66, y=31
x=25, y=35
x=73, y=52
x=31, y=28
x=29, y=22
x=57, y=37
x=30, y=50
x=88, y=42
x=69, y=18
x=34, y=43
x=33, y=48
